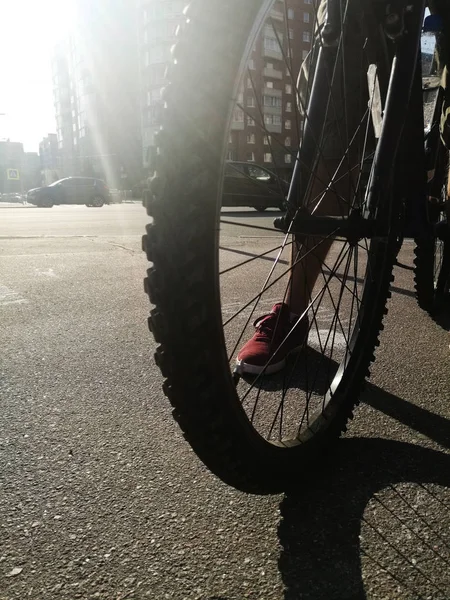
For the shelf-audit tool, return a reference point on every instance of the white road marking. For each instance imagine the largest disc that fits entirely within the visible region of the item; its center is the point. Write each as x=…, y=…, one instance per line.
x=8, y=296
x=46, y=272
x=337, y=339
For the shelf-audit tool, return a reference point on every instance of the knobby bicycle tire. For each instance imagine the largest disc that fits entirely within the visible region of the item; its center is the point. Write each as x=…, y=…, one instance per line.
x=182, y=244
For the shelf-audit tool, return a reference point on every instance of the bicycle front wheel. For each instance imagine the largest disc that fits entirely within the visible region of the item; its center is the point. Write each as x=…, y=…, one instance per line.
x=234, y=81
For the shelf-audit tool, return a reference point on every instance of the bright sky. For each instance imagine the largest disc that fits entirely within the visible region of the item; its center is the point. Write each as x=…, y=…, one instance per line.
x=28, y=31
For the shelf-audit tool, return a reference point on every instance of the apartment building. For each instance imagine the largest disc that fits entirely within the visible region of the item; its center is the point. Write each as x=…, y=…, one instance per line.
x=157, y=24
x=266, y=125
x=49, y=158
x=95, y=76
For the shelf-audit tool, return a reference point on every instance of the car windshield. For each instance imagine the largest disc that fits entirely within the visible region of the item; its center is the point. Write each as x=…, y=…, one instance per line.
x=258, y=173
x=56, y=182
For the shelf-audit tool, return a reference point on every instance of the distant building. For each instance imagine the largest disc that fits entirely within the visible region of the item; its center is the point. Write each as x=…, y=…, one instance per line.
x=11, y=167
x=31, y=171
x=50, y=161
x=95, y=76
x=157, y=24
x=48, y=151
x=265, y=127
x=62, y=103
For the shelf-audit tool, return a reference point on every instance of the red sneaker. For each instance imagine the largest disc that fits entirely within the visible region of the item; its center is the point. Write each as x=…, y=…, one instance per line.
x=265, y=351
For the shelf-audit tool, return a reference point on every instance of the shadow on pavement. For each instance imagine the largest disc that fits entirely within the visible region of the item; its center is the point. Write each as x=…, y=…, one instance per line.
x=251, y=212
x=320, y=527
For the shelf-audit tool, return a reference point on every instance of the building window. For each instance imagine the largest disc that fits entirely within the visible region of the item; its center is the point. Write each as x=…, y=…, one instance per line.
x=231, y=155
x=272, y=101
x=156, y=95
x=306, y=17
x=250, y=122
x=272, y=119
x=288, y=88
x=249, y=83
x=272, y=44
x=251, y=64
x=147, y=59
x=291, y=34
x=250, y=157
x=267, y=157
x=269, y=66
x=287, y=124
x=287, y=158
x=267, y=140
x=269, y=84
x=250, y=101
x=287, y=141
x=251, y=138
x=306, y=36
x=145, y=37
x=288, y=106
x=290, y=13
x=304, y=54
x=230, y=138
x=238, y=115
x=149, y=101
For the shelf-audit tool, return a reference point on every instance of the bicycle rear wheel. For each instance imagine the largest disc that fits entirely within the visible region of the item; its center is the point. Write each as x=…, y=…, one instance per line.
x=212, y=275
x=432, y=252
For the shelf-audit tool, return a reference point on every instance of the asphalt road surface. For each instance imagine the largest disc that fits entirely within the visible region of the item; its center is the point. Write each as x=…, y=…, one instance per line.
x=102, y=498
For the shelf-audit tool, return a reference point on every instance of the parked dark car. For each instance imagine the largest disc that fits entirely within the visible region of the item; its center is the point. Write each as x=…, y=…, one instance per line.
x=248, y=184
x=71, y=190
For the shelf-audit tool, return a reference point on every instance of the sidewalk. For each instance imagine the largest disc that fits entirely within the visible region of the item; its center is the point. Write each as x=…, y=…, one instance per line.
x=16, y=205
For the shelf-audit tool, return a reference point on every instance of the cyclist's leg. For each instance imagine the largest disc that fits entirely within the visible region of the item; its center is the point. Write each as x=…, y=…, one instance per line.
x=342, y=121
x=341, y=125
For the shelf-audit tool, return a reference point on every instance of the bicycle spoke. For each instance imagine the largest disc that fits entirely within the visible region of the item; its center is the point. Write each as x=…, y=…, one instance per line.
x=286, y=406
x=311, y=303
x=249, y=260
x=270, y=285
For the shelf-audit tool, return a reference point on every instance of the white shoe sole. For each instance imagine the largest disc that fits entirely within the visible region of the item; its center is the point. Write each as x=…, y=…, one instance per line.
x=243, y=367
x=270, y=369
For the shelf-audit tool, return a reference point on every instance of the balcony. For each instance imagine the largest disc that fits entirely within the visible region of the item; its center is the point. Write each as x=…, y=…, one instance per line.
x=276, y=15
x=269, y=53
x=272, y=110
x=272, y=127
x=272, y=92
x=273, y=73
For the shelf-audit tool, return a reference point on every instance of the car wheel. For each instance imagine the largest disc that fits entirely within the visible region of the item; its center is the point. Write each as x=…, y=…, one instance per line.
x=260, y=208
x=88, y=204
x=97, y=201
x=46, y=203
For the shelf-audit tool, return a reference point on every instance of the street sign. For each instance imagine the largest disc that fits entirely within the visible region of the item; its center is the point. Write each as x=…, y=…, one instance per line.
x=13, y=174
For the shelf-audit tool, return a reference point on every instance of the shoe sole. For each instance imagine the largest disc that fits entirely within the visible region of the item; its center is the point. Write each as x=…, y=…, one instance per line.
x=270, y=369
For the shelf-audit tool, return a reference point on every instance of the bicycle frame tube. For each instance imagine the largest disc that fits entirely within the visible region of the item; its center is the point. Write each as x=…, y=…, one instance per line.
x=410, y=183
x=401, y=87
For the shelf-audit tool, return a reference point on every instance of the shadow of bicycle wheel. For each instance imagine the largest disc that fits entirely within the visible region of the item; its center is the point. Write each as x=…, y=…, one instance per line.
x=320, y=531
